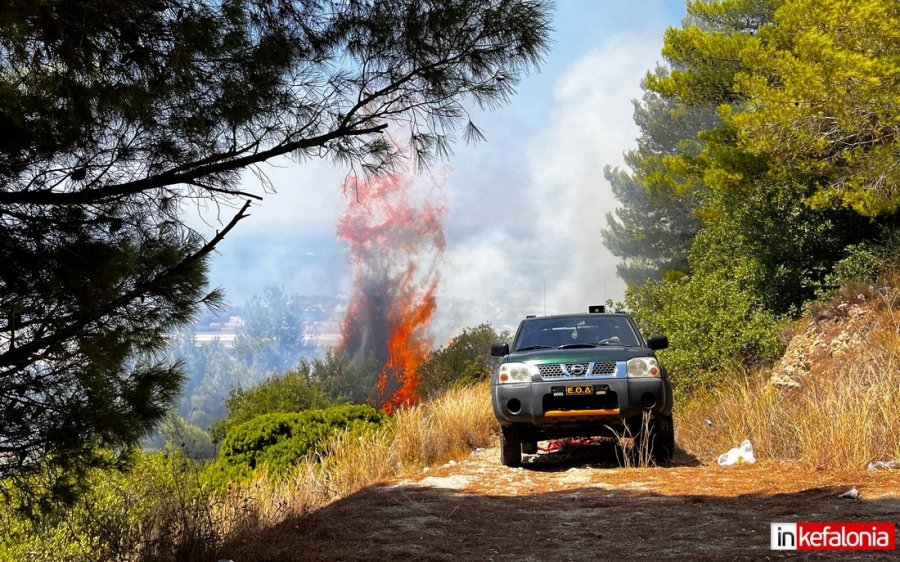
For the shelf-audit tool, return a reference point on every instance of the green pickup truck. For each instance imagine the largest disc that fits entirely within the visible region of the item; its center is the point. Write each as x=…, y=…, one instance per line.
x=580, y=375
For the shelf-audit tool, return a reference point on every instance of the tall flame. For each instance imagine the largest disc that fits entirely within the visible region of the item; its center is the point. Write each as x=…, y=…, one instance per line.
x=395, y=244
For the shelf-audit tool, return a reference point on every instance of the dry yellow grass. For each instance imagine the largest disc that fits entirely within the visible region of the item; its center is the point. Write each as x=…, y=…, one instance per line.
x=448, y=427
x=451, y=426
x=843, y=417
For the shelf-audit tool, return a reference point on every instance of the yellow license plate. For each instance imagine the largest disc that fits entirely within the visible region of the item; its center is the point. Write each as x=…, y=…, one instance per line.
x=579, y=390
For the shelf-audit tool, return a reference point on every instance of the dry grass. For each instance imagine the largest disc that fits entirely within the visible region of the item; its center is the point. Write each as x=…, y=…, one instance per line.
x=632, y=452
x=844, y=416
x=448, y=427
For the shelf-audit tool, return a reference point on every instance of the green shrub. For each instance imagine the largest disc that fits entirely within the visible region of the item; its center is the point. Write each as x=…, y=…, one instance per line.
x=863, y=263
x=465, y=360
x=278, y=441
x=154, y=511
x=292, y=391
x=712, y=323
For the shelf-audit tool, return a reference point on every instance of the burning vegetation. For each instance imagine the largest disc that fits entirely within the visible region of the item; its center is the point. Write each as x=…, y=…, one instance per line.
x=395, y=242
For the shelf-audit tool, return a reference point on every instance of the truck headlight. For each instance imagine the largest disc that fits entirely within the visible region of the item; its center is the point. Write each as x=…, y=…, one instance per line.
x=516, y=372
x=644, y=367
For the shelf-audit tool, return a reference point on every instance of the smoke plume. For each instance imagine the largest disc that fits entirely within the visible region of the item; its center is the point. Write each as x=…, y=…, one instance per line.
x=395, y=242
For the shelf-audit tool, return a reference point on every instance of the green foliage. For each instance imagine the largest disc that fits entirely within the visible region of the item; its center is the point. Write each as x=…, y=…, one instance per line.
x=806, y=91
x=77, y=377
x=783, y=184
x=712, y=322
x=863, y=263
x=155, y=511
x=771, y=230
x=344, y=379
x=466, y=359
x=292, y=391
x=192, y=441
x=278, y=441
x=825, y=94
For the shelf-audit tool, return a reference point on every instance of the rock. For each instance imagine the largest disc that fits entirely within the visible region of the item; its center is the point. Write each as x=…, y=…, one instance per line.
x=451, y=463
x=851, y=494
x=426, y=469
x=881, y=465
x=885, y=291
x=783, y=381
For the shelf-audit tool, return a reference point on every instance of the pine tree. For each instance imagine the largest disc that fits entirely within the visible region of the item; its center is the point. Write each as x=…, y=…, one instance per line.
x=116, y=116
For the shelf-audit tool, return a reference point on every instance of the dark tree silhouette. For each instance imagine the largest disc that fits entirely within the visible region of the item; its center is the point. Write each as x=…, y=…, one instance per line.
x=116, y=116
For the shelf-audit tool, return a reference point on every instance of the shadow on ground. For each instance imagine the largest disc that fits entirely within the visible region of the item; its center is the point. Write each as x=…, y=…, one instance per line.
x=599, y=522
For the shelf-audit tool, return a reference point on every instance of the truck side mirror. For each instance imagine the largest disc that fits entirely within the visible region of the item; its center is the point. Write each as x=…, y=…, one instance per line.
x=499, y=349
x=657, y=342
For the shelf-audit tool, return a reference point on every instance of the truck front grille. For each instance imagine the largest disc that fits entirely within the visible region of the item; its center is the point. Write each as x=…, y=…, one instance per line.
x=554, y=370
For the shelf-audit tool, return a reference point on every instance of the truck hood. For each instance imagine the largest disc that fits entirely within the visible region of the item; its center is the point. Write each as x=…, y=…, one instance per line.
x=579, y=355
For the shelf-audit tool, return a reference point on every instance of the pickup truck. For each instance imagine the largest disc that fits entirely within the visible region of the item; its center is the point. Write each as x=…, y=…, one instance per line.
x=581, y=375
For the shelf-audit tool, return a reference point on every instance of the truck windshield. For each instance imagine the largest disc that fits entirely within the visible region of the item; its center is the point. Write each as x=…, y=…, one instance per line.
x=585, y=331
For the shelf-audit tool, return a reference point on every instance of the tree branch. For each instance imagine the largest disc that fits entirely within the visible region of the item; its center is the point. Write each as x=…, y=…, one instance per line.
x=23, y=354
x=49, y=197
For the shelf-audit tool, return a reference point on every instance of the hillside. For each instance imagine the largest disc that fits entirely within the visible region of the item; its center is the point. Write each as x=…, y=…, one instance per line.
x=830, y=402
x=578, y=501
x=429, y=484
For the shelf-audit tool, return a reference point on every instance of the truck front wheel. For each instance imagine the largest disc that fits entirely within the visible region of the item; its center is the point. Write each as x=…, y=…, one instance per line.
x=510, y=446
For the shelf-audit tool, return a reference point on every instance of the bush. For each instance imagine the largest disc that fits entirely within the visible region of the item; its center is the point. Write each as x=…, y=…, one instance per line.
x=278, y=441
x=712, y=323
x=465, y=360
x=292, y=391
x=155, y=511
x=863, y=263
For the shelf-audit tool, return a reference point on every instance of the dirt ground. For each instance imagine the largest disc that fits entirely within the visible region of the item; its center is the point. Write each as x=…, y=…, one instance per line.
x=579, y=505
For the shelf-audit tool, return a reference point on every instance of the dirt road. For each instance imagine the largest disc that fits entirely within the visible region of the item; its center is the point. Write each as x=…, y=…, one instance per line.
x=579, y=505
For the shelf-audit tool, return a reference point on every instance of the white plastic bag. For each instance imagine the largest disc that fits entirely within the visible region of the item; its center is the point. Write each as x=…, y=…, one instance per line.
x=738, y=455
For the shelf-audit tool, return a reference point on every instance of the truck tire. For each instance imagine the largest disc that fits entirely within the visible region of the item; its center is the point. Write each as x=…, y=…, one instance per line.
x=662, y=435
x=510, y=447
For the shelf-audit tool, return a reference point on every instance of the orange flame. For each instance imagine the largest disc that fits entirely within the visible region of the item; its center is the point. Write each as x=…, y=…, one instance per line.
x=390, y=237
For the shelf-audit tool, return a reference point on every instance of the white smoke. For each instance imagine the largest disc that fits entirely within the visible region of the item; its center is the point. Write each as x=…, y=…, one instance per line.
x=542, y=250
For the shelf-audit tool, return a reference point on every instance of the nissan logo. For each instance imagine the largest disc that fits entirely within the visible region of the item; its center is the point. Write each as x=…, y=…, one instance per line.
x=576, y=369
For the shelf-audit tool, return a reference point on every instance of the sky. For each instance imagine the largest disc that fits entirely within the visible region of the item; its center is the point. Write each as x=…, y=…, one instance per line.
x=525, y=208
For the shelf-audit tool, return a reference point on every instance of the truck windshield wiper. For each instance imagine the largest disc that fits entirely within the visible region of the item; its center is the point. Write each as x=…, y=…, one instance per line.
x=530, y=347
x=603, y=343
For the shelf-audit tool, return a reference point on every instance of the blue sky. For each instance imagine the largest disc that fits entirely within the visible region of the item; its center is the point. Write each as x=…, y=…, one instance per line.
x=525, y=208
